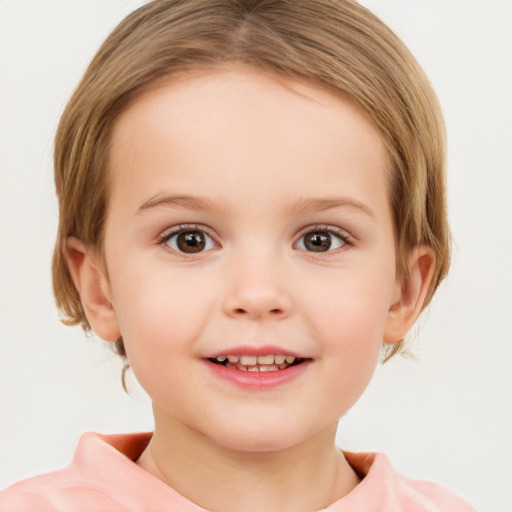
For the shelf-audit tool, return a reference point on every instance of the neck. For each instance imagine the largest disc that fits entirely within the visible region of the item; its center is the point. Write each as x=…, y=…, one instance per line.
x=305, y=477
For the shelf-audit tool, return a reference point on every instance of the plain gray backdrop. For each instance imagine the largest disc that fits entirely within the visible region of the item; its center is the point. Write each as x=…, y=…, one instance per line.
x=445, y=417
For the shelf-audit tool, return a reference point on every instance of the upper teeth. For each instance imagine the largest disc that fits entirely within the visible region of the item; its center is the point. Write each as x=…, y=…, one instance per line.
x=252, y=360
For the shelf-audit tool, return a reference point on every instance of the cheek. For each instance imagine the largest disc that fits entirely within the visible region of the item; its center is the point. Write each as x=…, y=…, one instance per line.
x=352, y=307
x=349, y=324
x=160, y=322
x=159, y=314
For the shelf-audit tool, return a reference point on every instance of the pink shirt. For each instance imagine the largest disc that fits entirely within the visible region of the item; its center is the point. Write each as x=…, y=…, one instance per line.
x=103, y=478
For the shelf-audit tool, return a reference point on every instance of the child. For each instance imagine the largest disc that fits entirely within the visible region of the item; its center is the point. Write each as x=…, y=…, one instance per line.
x=251, y=205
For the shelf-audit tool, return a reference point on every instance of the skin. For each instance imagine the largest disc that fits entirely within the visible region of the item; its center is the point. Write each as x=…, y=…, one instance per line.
x=262, y=161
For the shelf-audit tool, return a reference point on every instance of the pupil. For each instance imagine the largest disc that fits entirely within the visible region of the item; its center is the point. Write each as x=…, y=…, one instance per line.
x=318, y=242
x=191, y=241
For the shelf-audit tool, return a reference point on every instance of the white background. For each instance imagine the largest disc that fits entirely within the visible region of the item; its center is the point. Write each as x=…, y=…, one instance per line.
x=446, y=417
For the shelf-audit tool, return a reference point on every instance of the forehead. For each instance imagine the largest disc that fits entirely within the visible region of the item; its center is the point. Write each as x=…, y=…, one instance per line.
x=240, y=133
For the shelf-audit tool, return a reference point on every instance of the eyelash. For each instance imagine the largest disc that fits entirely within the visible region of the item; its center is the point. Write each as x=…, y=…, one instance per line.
x=336, y=232
x=344, y=237
x=184, y=228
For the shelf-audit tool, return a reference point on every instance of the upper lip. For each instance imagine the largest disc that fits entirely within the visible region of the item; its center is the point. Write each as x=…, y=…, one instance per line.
x=252, y=350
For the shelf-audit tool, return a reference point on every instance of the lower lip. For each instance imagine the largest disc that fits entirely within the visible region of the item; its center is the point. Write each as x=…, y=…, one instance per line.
x=258, y=380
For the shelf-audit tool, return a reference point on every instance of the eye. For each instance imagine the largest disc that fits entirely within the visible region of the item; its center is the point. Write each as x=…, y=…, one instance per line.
x=189, y=241
x=321, y=241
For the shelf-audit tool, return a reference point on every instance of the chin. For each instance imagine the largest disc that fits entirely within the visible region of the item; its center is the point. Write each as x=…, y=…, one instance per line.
x=258, y=437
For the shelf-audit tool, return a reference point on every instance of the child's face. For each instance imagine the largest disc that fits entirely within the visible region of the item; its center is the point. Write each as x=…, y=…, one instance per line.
x=249, y=216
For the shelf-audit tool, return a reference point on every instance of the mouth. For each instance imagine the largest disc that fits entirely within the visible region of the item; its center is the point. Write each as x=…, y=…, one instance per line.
x=260, y=363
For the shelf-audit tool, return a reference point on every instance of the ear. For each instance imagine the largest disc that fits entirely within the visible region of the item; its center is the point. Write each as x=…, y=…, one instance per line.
x=410, y=295
x=94, y=289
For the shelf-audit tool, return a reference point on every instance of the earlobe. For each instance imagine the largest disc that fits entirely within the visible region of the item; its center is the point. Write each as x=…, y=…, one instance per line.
x=410, y=295
x=93, y=287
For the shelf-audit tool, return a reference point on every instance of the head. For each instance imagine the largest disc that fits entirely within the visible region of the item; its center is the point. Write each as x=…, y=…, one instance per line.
x=347, y=51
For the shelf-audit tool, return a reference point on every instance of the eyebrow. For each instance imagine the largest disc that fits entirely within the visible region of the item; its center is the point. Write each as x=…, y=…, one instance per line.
x=187, y=202
x=321, y=204
x=301, y=206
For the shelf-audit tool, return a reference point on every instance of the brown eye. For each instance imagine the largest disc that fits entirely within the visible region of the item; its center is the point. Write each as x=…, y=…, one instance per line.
x=317, y=242
x=190, y=242
x=320, y=241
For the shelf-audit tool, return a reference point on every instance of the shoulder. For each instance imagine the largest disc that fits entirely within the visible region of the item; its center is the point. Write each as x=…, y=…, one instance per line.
x=385, y=489
x=52, y=492
x=82, y=485
x=102, y=477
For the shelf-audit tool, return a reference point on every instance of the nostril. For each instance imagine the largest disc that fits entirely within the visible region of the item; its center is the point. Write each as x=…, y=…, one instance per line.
x=255, y=305
x=273, y=312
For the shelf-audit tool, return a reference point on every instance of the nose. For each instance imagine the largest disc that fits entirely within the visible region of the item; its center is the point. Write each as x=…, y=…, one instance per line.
x=257, y=289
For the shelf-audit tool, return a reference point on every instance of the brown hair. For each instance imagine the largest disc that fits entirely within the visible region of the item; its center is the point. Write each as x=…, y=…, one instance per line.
x=337, y=44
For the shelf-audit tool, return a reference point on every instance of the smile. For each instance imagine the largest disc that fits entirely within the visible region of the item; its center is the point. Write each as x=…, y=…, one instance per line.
x=252, y=363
